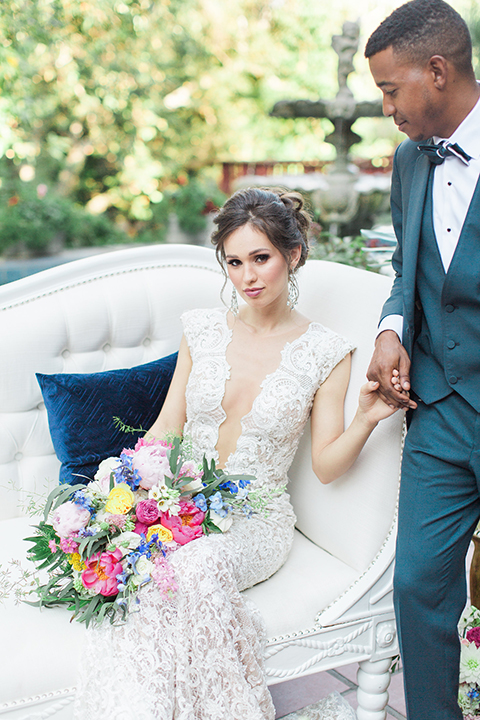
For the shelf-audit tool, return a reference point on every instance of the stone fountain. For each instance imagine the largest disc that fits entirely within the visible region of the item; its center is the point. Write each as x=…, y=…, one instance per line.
x=342, y=195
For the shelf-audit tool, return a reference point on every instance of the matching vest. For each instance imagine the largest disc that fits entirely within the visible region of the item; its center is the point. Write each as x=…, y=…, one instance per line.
x=446, y=353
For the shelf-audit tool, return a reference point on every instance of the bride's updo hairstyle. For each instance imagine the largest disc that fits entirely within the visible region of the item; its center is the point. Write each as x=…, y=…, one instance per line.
x=278, y=214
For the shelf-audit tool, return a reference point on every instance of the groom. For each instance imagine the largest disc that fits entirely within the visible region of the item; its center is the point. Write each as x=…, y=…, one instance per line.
x=429, y=334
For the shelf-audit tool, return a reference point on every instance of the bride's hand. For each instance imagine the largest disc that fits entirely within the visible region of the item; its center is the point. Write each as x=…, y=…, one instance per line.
x=371, y=405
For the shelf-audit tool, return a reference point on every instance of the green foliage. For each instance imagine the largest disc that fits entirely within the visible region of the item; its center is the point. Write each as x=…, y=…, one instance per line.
x=348, y=251
x=38, y=224
x=192, y=201
x=112, y=101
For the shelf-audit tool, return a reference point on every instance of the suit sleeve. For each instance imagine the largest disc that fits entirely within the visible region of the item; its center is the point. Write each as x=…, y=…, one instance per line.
x=394, y=304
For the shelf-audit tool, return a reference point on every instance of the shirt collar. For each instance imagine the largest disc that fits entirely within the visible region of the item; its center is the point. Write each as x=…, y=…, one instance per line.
x=467, y=134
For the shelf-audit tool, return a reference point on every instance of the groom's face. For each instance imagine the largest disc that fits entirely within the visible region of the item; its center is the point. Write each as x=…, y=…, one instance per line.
x=409, y=94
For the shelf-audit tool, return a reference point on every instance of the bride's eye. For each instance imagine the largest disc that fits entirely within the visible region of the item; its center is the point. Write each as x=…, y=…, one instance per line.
x=262, y=258
x=234, y=262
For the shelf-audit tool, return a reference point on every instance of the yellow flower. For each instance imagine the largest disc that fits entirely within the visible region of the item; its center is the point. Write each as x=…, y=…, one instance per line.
x=76, y=562
x=164, y=534
x=120, y=500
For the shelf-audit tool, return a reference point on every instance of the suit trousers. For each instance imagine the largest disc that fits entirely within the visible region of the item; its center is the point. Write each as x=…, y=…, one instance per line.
x=439, y=508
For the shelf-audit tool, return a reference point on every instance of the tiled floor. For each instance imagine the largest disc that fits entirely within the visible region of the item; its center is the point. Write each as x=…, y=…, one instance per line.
x=298, y=693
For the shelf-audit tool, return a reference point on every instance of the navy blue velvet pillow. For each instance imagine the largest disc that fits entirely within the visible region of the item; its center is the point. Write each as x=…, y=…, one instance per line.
x=81, y=408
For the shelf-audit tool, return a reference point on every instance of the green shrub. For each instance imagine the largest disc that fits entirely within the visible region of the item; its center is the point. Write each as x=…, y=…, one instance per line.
x=192, y=201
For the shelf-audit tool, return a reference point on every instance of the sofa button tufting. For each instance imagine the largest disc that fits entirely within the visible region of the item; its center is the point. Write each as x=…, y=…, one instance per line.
x=66, y=353
x=107, y=347
x=18, y=456
x=41, y=406
x=147, y=342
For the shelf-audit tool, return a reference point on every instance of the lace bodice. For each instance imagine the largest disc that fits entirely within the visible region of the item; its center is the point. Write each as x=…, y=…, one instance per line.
x=272, y=429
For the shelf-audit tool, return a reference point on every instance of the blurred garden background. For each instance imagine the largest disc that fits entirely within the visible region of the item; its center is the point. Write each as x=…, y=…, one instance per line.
x=118, y=118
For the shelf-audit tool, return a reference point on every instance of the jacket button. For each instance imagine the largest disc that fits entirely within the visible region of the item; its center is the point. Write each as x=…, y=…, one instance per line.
x=452, y=379
x=451, y=344
x=449, y=308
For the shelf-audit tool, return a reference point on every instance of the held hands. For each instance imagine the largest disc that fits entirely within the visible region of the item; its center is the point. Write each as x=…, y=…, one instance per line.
x=390, y=368
x=371, y=407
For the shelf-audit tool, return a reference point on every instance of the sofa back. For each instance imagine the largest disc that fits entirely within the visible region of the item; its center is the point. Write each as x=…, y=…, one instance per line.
x=122, y=309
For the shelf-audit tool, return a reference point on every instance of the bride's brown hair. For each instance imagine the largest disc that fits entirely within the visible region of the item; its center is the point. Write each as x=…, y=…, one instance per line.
x=279, y=214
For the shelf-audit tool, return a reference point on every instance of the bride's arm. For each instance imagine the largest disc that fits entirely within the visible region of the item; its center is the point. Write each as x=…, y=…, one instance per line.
x=173, y=413
x=334, y=450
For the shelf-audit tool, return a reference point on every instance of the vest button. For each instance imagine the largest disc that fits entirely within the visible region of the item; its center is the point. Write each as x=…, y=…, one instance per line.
x=452, y=379
x=451, y=344
x=449, y=308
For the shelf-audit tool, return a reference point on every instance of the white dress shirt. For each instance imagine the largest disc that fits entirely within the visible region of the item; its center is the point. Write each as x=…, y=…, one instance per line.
x=454, y=183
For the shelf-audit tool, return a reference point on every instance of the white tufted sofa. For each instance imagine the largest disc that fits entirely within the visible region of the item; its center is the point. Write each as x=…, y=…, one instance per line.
x=331, y=604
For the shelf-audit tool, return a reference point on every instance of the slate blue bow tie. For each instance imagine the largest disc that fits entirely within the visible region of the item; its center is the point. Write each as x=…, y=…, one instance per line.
x=437, y=153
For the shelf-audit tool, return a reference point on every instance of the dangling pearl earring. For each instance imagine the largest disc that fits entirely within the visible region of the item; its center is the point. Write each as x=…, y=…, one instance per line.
x=234, y=303
x=293, y=291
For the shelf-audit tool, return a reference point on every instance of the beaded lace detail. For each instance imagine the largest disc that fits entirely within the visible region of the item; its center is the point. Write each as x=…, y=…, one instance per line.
x=199, y=656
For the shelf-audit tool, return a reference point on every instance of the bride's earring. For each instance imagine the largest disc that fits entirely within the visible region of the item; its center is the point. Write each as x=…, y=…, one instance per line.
x=293, y=291
x=234, y=303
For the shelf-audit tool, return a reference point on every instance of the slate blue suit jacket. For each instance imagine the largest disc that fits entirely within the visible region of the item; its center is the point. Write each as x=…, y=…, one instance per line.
x=409, y=186
x=457, y=315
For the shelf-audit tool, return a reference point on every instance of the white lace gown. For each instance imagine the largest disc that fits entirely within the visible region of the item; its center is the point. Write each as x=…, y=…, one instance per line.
x=199, y=655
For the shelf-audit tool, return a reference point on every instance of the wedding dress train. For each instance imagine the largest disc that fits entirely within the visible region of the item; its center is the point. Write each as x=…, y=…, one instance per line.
x=199, y=655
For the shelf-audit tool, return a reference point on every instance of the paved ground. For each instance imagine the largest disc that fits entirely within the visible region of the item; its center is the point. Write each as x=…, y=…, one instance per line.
x=298, y=693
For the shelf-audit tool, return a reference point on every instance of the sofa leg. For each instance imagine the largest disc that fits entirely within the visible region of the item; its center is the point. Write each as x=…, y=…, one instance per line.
x=373, y=679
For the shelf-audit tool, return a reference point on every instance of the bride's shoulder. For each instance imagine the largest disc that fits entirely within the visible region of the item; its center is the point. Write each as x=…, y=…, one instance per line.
x=323, y=338
x=203, y=316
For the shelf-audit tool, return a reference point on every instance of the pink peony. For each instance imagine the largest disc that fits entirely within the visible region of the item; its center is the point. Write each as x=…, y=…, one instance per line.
x=101, y=572
x=187, y=525
x=149, y=440
x=151, y=463
x=69, y=518
x=147, y=512
x=140, y=528
x=473, y=636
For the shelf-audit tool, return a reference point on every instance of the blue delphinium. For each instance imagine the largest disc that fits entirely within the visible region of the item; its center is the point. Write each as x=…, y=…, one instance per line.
x=217, y=504
x=201, y=502
x=125, y=472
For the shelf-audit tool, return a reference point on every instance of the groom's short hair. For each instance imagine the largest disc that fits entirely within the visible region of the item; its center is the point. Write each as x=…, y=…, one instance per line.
x=422, y=28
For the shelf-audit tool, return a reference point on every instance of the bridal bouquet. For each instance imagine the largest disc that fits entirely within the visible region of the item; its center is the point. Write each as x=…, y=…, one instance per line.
x=469, y=689
x=101, y=542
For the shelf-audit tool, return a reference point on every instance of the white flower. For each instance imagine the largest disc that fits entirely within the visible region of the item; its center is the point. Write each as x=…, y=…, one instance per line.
x=102, y=476
x=469, y=663
x=223, y=523
x=193, y=486
x=143, y=570
x=127, y=541
x=155, y=492
x=167, y=498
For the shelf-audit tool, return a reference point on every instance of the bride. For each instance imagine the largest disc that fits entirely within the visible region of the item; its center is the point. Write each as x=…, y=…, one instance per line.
x=245, y=384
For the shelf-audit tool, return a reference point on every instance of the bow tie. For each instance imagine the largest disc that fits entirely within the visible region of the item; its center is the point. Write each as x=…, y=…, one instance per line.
x=437, y=153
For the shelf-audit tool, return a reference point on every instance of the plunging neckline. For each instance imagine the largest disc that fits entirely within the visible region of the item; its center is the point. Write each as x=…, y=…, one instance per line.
x=267, y=377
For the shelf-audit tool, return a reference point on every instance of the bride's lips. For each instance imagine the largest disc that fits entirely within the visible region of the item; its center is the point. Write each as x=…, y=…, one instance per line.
x=253, y=292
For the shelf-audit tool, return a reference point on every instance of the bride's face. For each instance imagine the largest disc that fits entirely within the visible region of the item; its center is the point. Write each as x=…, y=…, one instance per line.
x=256, y=268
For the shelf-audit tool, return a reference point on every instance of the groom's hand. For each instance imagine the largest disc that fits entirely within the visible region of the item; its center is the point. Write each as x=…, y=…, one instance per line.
x=390, y=355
